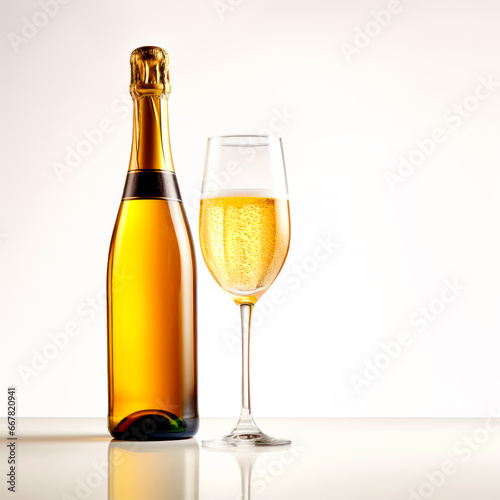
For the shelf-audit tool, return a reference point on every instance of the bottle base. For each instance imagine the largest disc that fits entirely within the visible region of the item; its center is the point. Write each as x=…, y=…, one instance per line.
x=154, y=425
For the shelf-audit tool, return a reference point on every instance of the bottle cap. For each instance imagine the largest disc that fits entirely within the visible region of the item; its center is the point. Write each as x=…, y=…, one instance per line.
x=149, y=72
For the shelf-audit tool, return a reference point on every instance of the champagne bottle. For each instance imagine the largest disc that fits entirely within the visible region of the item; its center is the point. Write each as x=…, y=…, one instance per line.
x=151, y=278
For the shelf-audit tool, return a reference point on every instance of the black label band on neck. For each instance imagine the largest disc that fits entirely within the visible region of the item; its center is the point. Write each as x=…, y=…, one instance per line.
x=151, y=184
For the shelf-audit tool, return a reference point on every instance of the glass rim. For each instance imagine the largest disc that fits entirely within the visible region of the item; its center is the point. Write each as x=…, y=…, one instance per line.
x=270, y=138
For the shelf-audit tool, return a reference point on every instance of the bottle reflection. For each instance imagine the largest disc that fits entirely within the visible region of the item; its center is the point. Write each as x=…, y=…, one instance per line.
x=154, y=470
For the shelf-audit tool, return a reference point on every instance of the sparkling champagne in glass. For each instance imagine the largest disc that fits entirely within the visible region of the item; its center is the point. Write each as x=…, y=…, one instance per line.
x=244, y=236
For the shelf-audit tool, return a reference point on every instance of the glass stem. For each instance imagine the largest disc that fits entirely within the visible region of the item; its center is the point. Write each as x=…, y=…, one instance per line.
x=246, y=423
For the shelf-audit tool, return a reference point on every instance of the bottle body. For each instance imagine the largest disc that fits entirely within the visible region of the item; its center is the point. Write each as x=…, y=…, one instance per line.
x=152, y=323
x=151, y=295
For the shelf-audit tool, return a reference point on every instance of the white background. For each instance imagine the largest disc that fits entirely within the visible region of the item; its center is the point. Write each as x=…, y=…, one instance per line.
x=347, y=115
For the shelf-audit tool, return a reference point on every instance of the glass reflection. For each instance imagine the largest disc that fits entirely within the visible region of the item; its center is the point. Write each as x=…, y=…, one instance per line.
x=154, y=470
x=246, y=459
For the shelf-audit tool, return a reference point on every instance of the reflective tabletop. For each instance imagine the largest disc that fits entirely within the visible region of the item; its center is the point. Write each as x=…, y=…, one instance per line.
x=75, y=458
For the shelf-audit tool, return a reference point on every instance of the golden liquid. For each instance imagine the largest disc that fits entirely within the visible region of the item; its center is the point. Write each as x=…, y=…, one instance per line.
x=244, y=241
x=151, y=316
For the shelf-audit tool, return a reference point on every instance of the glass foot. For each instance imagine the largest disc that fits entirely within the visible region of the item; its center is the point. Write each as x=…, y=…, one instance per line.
x=244, y=436
x=243, y=441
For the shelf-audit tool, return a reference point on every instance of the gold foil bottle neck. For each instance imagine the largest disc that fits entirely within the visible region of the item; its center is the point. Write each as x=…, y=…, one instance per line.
x=149, y=72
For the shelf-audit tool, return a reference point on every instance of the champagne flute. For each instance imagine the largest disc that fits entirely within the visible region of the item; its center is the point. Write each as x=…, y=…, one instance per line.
x=244, y=236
